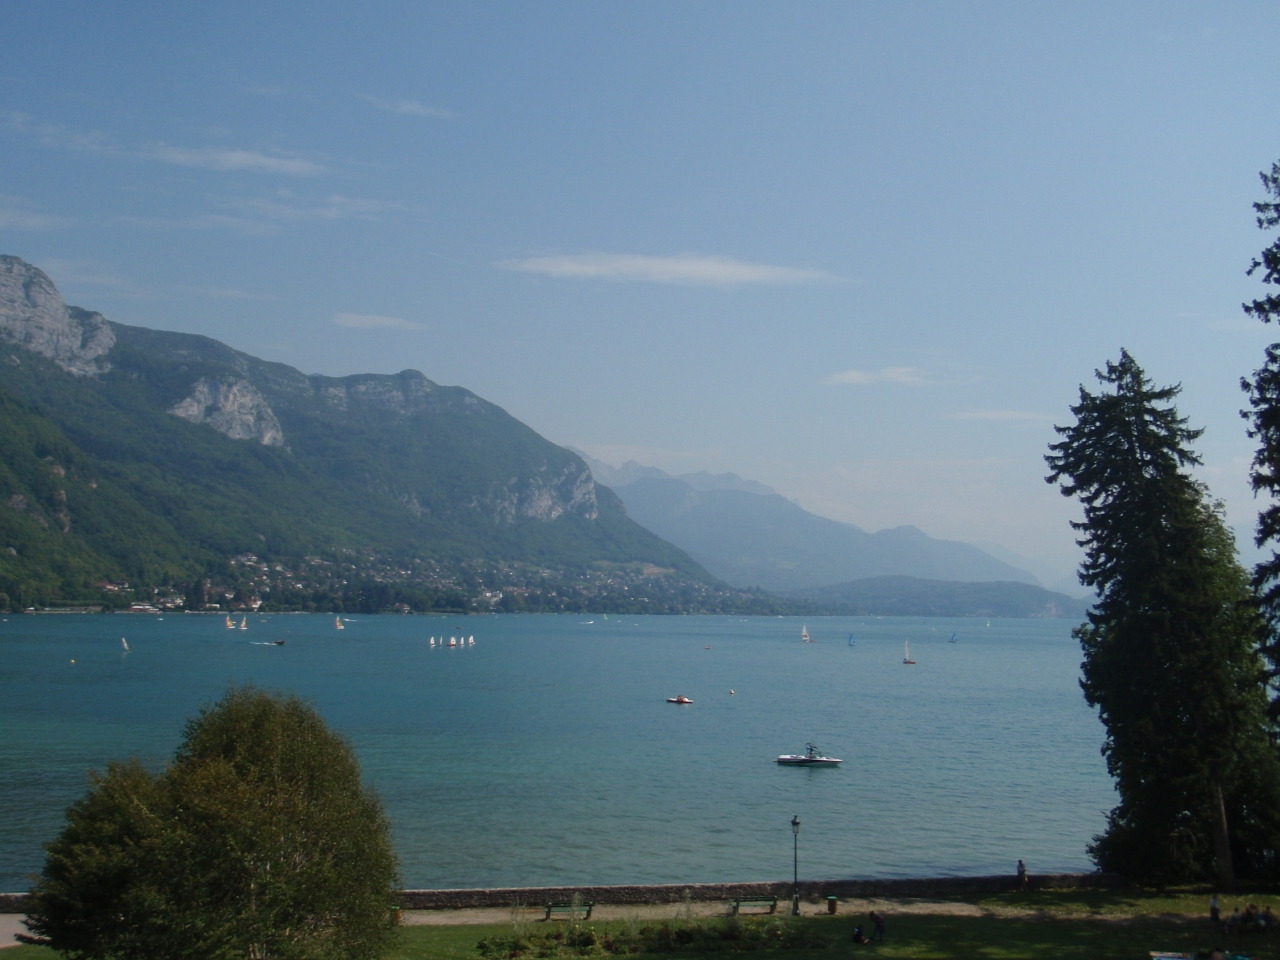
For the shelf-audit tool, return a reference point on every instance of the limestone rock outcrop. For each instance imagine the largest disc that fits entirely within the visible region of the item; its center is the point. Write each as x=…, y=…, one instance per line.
x=545, y=498
x=34, y=317
x=234, y=408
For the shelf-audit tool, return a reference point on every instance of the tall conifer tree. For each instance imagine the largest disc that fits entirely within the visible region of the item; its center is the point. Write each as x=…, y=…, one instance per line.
x=1170, y=648
x=1264, y=426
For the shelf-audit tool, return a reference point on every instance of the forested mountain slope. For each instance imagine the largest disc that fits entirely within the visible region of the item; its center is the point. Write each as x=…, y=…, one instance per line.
x=159, y=458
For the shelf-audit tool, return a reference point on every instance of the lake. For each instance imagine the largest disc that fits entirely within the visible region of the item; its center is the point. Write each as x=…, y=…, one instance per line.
x=547, y=754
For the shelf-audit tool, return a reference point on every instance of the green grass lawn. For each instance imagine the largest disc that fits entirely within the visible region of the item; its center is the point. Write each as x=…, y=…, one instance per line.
x=928, y=937
x=1098, y=925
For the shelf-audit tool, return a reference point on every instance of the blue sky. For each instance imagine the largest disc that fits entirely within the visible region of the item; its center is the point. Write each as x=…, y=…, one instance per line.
x=862, y=252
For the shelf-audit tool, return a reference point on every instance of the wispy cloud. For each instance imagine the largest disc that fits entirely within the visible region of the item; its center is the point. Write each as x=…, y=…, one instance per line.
x=911, y=376
x=265, y=216
x=374, y=321
x=411, y=108
x=1024, y=415
x=223, y=158
x=17, y=213
x=687, y=269
x=227, y=293
x=333, y=207
x=226, y=159
x=87, y=273
x=56, y=135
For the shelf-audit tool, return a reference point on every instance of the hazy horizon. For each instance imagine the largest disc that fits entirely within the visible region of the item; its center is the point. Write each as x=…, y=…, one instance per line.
x=864, y=255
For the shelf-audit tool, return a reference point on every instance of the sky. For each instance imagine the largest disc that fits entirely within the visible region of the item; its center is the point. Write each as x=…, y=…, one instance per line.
x=864, y=253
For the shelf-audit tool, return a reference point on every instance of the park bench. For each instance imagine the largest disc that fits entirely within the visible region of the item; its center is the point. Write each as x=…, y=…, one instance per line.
x=772, y=903
x=569, y=908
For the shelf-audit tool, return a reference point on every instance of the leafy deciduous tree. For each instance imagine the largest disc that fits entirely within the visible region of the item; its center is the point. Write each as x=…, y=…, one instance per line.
x=257, y=841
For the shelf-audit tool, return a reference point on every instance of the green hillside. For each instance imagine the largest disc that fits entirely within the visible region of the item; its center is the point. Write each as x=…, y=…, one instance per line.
x=913, y=597
x=165, y=457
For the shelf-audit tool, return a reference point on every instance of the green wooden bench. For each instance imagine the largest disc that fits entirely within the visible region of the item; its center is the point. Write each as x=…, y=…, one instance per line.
x=771, y=902
x=568, y=908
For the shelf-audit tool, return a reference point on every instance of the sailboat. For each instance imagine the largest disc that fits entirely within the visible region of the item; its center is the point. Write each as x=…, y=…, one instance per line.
x=337, y=623
x=471, y=641
x=244, y=623
x=851, y=639
x=953, y=638
x=230, y=623
x=804, y=634
x=124, y=643
x=907, y=648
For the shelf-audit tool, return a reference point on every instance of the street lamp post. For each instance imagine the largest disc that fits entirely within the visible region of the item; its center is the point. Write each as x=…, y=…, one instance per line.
x=795, y=866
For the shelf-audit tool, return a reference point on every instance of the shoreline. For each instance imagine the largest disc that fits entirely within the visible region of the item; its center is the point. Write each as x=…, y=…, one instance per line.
x=667, y=893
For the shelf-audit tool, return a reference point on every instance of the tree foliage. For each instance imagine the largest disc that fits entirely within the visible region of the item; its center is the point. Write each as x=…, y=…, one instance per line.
x=257, y=841
x=1170, y=648
x=1264, y=426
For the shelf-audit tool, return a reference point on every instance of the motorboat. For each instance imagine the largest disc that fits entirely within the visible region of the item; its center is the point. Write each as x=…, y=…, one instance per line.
x=812, y=757
x=679, y=699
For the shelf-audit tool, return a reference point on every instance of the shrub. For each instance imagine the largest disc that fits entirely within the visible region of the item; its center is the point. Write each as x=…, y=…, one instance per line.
x=257, y=841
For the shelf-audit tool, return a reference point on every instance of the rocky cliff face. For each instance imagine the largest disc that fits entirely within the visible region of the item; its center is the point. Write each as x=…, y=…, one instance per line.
x=404, y=393
x=33, y=316
x=234, y=408
x=545, y=498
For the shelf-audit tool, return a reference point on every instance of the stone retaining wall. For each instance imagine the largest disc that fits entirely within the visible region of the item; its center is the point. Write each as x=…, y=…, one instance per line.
x=809, y=889
x=676, y=892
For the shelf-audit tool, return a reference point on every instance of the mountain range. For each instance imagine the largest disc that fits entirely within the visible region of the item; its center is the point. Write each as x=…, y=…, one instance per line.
x=137, y=461
x=750, y=536
x=147, y=465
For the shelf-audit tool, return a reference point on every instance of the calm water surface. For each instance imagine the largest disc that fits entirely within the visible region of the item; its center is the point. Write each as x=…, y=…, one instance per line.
x=547, y=754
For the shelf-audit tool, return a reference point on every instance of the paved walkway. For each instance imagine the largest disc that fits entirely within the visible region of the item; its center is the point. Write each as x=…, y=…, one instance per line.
x=672, y=911
x=10, y=927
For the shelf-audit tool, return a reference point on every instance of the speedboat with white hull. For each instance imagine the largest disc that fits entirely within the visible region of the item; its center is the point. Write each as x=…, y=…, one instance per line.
x=812, y=757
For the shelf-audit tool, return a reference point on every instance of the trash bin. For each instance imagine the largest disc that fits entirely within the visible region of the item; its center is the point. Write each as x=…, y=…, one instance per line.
x=831, y=904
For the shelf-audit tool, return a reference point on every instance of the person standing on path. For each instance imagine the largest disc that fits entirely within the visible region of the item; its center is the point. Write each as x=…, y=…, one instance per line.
x=1022, y=875
x=1215, y=915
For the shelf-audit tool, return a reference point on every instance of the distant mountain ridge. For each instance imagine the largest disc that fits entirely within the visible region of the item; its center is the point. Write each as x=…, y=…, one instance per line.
x=631, y=471
x=748, y=535
x=917, y=597
x=129, y=454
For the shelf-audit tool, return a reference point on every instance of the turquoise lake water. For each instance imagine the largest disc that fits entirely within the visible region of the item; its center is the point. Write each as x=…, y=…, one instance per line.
x=546, y=753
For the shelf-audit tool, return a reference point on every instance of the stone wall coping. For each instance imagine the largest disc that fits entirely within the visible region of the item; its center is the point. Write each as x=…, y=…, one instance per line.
x=907, y=887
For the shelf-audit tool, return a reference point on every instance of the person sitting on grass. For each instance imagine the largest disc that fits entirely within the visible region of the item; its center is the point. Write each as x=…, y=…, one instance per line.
x=859, y=936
